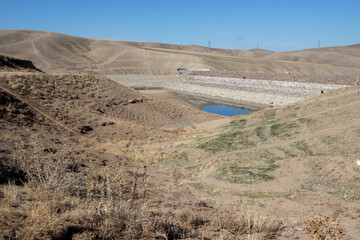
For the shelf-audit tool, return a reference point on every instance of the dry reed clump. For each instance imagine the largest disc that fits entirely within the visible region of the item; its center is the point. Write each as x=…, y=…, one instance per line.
x=107, y=206
x=37, y=211
x=48, y=170
x=104, y=201
x=322, y=228
x=113, y=207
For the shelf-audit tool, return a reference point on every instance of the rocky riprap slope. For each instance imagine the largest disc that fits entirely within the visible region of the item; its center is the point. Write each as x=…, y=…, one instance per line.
x=250, y=91
x=288, y=77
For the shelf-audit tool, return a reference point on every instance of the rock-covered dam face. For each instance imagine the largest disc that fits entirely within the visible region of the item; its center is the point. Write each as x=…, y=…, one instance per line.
x=250, y=91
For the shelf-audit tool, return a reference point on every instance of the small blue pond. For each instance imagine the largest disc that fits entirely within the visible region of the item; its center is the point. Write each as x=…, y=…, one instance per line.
x=225, y=110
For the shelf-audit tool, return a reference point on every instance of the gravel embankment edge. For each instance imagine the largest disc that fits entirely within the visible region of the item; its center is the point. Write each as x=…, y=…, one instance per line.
x=250, y=91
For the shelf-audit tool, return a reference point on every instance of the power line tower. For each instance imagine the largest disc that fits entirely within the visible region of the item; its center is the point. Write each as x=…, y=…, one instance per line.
x=318, y=43
x=257, y=46
x=209, y=44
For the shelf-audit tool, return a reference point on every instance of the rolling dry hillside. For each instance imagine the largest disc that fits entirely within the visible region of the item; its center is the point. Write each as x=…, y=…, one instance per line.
x=83, y=157
x=77, y=155
x=295, y=161
x=53, y=52
x=347, y=56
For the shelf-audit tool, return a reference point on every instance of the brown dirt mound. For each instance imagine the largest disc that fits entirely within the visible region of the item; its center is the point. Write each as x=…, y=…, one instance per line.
x=9, y=64
x=88, y=100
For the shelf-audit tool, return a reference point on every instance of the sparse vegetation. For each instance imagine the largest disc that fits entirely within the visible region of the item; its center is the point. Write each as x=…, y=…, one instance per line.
x=85, y=158
x=262, y=194
x=303, y=146
x=229, y=139
x=179, y=158
x=282, y=129
x=67, y=182
x=322, y=228
x=249, y=167
x=260, y=132
x=308, y=121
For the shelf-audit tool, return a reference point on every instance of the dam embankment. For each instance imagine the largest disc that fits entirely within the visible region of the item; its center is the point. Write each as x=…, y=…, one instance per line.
x=249, y=91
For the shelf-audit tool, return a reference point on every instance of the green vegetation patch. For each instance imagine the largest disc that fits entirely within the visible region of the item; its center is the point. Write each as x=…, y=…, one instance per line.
x=304, y=147
x=238, y=124
x=330, y=140
x=262, y=194
x=227, y=141
x=247, y=167
x=282, y=130
x=270, y=114
x=260, y=132
x=287, y=153
x=203, y=187
x=307, y=121
x=178, y=158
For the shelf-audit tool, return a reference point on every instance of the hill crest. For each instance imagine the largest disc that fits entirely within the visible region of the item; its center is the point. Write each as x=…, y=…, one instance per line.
x=54, y=52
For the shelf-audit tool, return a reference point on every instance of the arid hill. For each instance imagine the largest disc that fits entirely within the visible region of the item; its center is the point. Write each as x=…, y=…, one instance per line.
x=74, y=147
x=83, y=157
x=76, y=163
x=295, y=161
x=53, y=52
x=347, y=56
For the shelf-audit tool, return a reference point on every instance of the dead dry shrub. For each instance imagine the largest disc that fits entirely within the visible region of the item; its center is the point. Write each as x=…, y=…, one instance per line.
x=42, y=222
x=239, y=224
x=115, y=206
x=106, y=212
x=49, y=170
x=111, y=203
x=322, y=228
x=37, y=213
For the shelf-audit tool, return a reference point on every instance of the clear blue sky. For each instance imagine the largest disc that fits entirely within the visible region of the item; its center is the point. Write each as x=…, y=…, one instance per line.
x=277, y=25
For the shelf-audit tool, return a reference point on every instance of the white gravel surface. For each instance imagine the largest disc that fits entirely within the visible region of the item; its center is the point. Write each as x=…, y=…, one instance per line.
x=248, y=91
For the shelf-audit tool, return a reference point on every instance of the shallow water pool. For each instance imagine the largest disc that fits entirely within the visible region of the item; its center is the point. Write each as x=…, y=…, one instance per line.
x=225, y=110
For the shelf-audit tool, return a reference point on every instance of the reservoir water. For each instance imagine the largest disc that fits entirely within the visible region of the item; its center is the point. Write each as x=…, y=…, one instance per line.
x=225, y=110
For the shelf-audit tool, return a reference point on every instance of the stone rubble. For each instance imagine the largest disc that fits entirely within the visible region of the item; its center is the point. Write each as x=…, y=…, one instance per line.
x=250, y=91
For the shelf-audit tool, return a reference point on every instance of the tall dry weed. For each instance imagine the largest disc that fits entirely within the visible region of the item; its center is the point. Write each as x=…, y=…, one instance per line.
x=50, y=170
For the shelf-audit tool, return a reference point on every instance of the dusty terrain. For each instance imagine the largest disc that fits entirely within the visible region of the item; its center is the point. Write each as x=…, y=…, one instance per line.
x=79, y=157
x=85, y=157
x=74, y=147
x=53, y=52
x=293, y=162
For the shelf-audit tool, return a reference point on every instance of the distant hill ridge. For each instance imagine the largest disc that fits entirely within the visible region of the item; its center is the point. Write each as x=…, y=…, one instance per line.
x=54, y=52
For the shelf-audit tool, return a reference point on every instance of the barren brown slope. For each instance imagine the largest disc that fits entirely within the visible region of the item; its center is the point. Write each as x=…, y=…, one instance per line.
x=82, y=99
x=347, y=56
x=53, y=52
x=9, y=64
x=200, y=49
